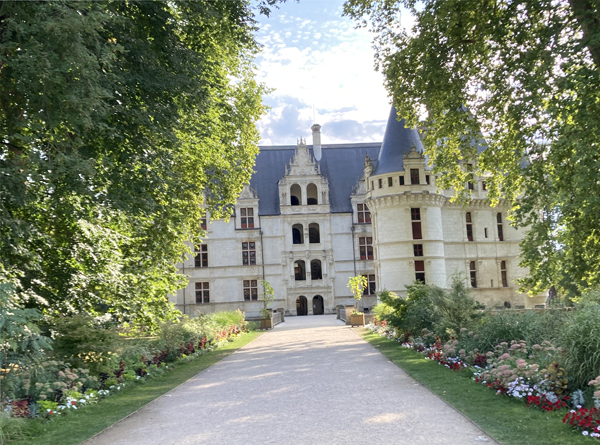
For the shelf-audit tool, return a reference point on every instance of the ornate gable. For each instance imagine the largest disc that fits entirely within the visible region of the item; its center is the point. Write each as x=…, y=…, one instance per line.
x=248, y=193
x=303, y=163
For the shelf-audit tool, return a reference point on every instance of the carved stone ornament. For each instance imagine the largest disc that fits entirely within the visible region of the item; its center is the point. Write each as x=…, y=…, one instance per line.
x=248, y=193
x=360, y=188
x=303, y=163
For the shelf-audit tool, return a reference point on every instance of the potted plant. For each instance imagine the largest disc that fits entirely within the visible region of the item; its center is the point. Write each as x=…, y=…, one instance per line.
x=357, y=285
x=267, y=297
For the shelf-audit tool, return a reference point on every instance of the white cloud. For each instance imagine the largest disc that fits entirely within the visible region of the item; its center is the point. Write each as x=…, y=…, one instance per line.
x=326, y=63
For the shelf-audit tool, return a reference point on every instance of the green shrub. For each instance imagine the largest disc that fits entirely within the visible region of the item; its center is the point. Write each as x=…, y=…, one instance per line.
x=580, y=339
x=532, y=326
x=22, y=346
x=84, y=343
x=229, y=318
x=456, y=308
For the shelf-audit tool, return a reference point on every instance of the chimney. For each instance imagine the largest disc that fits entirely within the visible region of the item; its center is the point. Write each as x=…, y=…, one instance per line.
x=316, y=129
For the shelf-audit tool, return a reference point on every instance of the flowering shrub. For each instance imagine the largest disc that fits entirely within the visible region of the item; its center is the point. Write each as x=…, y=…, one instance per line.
x=586, y=420
x=52, y=387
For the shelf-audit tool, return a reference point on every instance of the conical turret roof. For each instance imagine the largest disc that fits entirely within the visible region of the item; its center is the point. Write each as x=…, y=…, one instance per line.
x=397, y=140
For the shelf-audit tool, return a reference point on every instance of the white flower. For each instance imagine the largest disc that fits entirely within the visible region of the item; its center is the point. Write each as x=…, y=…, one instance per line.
x=585, y=433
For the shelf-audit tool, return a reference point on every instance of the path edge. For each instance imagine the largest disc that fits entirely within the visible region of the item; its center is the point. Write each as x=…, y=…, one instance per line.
x=163, y=395
x=358, y=334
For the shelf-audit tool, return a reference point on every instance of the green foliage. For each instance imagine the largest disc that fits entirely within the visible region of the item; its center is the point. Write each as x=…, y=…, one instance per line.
x=430, y=307
x=580, y=338
x=121, y=123
x=457, y=308
x=531, y=326
x=525, y=74
x=21, y=344
x=228, y=318
x=11, y=428
x=357, y=285
x=85, y=343
x=267, y=297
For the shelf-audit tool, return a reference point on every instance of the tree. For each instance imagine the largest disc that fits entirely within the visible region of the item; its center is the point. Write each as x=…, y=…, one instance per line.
x=357, y=285
x=526, y=75
x=267, y=297
x=121, y=122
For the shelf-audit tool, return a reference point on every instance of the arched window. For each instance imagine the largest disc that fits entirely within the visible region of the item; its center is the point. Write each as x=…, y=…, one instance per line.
x=312, y=196
x=296, y=195
x=297, y=234
x=315, y=270
x=299, y=270
x=314, y=235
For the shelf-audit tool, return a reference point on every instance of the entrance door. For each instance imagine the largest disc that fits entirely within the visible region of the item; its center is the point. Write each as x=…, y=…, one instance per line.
x=301, y=305
x=318, y=308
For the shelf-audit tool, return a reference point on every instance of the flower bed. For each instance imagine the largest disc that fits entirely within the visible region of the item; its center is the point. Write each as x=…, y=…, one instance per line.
x=53, y=387
x=530, y=373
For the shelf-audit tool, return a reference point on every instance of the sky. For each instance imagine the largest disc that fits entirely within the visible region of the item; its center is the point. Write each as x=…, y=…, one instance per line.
x=314, y=58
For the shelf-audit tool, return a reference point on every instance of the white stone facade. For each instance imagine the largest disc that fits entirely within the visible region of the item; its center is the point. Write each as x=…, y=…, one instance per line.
x=307, y=224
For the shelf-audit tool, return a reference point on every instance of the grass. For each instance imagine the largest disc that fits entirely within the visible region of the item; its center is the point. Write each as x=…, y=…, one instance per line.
x=74, y=428
x=506, y=419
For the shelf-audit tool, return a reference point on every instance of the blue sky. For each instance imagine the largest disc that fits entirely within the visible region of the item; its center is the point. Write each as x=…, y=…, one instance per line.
x=312, y=56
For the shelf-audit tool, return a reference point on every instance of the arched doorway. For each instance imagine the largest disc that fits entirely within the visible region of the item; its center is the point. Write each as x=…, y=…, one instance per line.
x=318, y=307
x=301, y=305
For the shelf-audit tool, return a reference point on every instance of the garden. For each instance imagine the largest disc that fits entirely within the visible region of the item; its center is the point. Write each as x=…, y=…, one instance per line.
x=546, y=360
x=52, y=367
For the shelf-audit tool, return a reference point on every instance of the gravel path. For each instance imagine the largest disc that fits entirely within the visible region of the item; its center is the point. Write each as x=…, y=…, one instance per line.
x=311, y=380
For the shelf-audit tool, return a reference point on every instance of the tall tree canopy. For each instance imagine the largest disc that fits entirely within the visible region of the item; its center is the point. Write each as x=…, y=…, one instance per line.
x=120, y=122
x=528, y=72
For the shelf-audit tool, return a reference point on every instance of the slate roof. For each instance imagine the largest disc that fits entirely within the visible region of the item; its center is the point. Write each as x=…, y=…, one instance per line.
x=341, y=164
x=397, y=140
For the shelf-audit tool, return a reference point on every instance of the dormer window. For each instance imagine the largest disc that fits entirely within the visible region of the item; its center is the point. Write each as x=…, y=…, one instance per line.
x=247, y=218
x=364, y=215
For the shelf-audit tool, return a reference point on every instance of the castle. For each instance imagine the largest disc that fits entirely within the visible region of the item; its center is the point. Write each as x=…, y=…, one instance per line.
x=315, y=215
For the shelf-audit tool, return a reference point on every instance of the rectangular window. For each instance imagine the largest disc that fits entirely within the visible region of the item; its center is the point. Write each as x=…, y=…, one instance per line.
x=247, y=216
x=250, y=290
x=469, y=226
x=419, y=266
x=483, y=185
x=414, y=176
x=485, y=232
x=500, y=228
x=418, y=249
x=390, y=182
x=202, y=293
x=427, y=179
x=372, y=186
x=470, y=184
x=415, y=216
x=365, y=247
x=503, y=274
x=420, y=271
x=370, y=289
x=473, y=273
x=248, y=253
x=401, y=178
x=203, y=223
x=380, y=183
x=201, y=258
x=364, y=215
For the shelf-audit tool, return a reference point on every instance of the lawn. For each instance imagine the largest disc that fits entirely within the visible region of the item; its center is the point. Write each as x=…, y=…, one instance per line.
x=506, y=419
x=79, y=426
